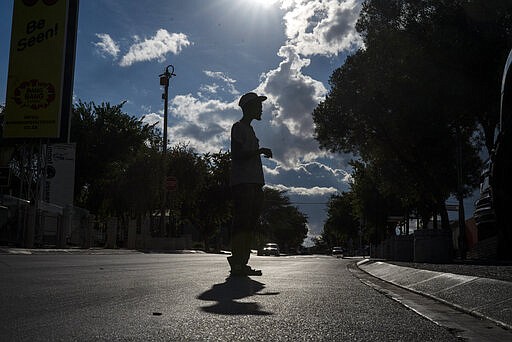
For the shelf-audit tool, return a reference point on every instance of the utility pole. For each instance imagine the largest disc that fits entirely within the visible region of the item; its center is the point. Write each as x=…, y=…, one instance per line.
x=164, y=81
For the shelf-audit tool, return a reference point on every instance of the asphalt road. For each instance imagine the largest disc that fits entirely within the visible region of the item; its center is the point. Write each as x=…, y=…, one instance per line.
x=165, y=297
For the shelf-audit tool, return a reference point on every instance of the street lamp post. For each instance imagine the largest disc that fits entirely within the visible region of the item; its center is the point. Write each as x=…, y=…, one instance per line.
x=164, y=81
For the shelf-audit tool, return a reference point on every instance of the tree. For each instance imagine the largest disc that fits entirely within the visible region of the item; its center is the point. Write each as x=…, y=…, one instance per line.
x=190, y=170
x=108, y=142
x=139, y=187
x=281, y=222
x=214, y=200
x=467, y=42
x=342, y=224
x=407, y=101
x=372, y=205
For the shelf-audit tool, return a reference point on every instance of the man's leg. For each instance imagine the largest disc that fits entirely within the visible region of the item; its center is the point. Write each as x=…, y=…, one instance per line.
x=241, y=210
x=244, y=197
x=255, y=197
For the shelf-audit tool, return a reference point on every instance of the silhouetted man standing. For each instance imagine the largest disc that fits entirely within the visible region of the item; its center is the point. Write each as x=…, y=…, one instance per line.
x=246, y=183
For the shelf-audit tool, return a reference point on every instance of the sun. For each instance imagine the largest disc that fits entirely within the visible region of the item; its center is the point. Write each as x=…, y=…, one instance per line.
x=264, y=3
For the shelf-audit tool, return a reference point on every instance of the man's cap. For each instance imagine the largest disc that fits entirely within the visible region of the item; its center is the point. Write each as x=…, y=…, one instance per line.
x=250, y=97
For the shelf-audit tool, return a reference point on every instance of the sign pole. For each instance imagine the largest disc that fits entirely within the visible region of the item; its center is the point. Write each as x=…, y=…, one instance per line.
x=164, y=81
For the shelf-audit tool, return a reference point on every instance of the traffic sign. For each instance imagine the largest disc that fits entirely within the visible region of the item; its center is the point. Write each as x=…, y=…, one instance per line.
x=171, y=183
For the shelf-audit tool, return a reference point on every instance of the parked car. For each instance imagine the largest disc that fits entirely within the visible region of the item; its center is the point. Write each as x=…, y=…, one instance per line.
x=484, y=215
x=337, y=251
x=493, y=207
x=270, y=248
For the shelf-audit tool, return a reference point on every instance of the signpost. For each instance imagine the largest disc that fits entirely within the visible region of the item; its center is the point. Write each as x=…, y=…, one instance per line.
x=41, y=68
x=40, y=84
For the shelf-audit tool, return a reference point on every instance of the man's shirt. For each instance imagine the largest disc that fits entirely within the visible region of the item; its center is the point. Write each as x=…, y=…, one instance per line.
x=245, y=170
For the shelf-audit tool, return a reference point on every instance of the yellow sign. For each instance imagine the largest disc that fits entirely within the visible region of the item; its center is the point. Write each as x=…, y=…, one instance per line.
x=36, y=69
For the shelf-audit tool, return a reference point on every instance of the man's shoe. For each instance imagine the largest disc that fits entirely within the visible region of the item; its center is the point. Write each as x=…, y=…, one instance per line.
x=242, y=270
x=251, y=271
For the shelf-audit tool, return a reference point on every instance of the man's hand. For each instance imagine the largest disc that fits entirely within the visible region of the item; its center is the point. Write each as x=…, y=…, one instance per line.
x=267, y=152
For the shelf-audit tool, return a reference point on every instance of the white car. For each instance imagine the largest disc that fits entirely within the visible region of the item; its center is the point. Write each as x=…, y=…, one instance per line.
x=270, y=249
x=338, y=251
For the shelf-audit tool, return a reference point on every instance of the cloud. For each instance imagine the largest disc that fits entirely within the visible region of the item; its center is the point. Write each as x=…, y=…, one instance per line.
x=219, y=75
x=227, y=87
x=154, y=118
x=292, y=96
x=106, y=45
x=203, y=124
x=322, y=27
x=309, y=175
x=155, y=48
x=301, y=191
x=209, y=88
x=312, y=28
x=192, y=109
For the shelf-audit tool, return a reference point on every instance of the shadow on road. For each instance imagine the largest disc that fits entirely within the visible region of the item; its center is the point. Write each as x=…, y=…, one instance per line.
x=235, y=288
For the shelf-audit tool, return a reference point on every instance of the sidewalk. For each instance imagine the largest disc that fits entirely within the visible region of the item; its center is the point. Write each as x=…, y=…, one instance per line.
x=30, y=251
x=87, y=251
x=471, y=292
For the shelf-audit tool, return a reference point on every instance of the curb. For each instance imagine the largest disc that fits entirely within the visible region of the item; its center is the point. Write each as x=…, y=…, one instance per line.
x=403, y=273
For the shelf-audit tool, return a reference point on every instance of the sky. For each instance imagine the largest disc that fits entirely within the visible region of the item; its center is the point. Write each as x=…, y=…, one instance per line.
x=221, y=49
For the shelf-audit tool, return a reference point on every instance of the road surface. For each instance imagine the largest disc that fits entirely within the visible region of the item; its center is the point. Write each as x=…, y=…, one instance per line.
x=174, y=297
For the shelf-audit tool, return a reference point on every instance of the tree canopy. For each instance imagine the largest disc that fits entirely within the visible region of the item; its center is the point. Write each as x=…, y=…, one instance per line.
x=110, y=146
x=342, y=225
x=418, y=96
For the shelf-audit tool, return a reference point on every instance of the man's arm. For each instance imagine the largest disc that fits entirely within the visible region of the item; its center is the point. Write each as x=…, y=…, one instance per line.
x=239, y=154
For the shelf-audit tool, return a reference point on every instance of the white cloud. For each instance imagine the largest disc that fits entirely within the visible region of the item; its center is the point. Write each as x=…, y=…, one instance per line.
x=155, y=48
x=293, y=96
x=106, y=45
x=228, y=87
x=193, y=109
x=204, y=125
x=322, y=27
x=309, y=175
x=209, y=88
x=154, y=118
x=301, y=191
x=312, y=28
x=219, y=75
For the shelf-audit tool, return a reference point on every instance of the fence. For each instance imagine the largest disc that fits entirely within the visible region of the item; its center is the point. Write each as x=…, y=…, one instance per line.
x=51, y=226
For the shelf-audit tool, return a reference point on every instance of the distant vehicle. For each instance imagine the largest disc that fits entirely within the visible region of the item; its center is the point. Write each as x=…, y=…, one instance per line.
x=270, y=249
x=337, y=251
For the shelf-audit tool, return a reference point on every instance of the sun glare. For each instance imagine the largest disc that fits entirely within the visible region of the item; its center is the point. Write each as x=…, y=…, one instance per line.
x=264, y=3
